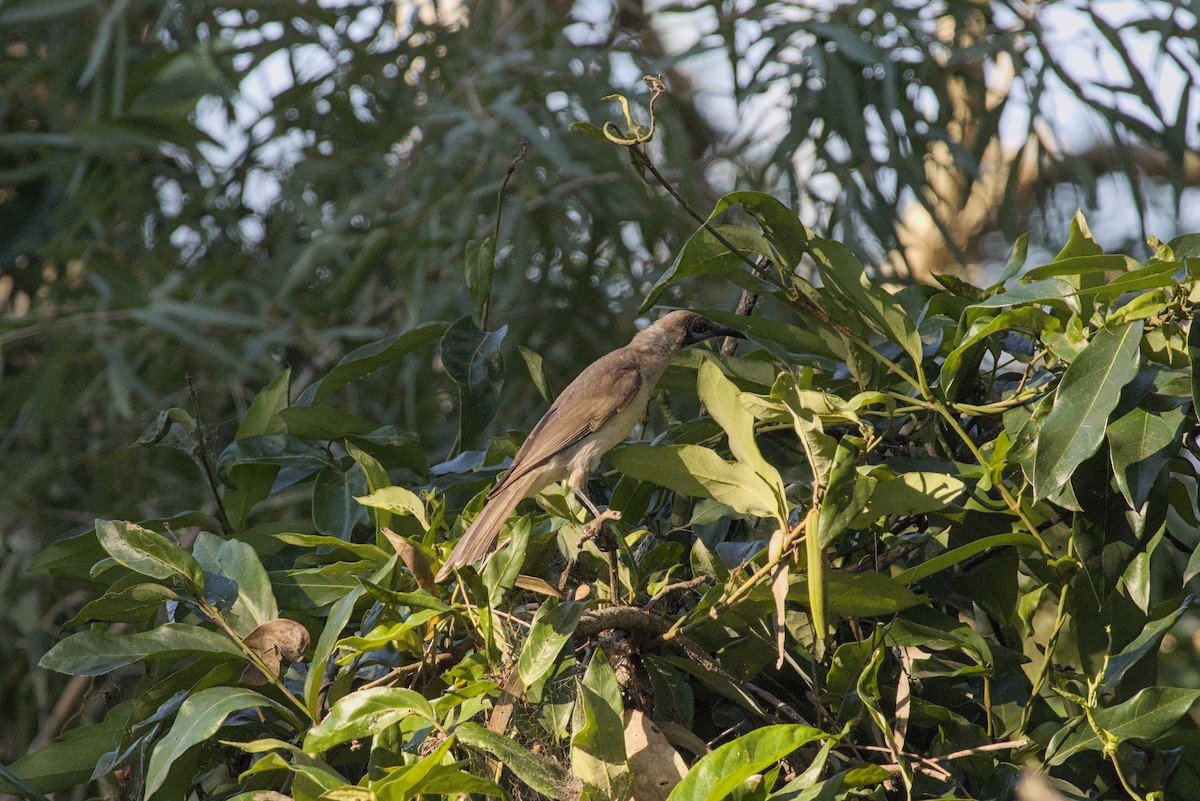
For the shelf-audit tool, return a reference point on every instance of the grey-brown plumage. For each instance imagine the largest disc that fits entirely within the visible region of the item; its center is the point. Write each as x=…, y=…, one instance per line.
x=595, y=412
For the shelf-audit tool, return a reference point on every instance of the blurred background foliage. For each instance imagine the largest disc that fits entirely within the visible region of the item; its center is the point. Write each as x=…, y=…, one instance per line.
x=194, y=195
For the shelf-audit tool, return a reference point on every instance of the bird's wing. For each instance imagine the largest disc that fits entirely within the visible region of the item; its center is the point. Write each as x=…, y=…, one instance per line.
x=598, y=394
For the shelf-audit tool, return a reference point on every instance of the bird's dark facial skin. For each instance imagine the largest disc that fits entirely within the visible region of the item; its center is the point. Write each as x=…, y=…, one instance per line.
x=700, y=328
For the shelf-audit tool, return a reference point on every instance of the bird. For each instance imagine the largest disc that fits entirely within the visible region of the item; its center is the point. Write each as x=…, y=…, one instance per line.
x=593, y=414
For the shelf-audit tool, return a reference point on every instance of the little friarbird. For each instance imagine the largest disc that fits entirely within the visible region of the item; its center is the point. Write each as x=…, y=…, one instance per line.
x=594, y=413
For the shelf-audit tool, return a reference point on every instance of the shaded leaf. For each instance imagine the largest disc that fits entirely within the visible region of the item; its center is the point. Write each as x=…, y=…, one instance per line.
x=1088, y=392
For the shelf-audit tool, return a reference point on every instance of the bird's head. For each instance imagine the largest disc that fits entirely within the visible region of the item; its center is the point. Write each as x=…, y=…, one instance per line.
x=679, y=328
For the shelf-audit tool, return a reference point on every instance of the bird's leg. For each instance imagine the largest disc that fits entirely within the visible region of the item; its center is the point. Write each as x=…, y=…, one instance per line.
x=578, y=483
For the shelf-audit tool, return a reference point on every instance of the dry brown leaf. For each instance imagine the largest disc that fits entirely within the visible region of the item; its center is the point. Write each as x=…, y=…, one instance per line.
x=540, y=586
x=413, y=558
x=275, y=642
x=655, y=764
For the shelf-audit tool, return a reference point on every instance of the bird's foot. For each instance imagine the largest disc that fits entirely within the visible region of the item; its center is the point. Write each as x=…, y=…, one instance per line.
x=593, y=527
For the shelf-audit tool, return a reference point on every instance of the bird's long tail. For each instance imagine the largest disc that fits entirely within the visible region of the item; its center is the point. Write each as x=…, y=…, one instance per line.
x=480, y=536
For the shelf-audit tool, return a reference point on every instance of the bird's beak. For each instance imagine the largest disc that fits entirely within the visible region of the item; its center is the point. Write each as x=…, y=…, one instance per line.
x=727, y=331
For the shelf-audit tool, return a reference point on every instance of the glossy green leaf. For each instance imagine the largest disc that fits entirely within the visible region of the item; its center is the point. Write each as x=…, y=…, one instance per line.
x=552, y=626
x=92, y=653
x=1193, y=349
x=704, y=254
x=480, y=266
x=700, y=473
x=339, y=616
x=324, y=423
x=71, y=759
x=962, y=553
x=859, y=595
x=369, y=358
x=540, y=773
x=1147, y=716
x=720, y=772
x=262, y=418
x=237, y=561
x=473, y=359
x=845, y=497
x=1016, y=260
x=1141, y=443
x=1080, y=265
x=720, y=397
x=397, y=500
x=364, y=713
x=149, y=553
x=1046, y=290
x=910, y=494
x=966, y=354
x=819, y=448
x=598, y=732
x=844, y=276
x=537, y=373
x=1087, y=394
x=1152, y=634
x=129, y=604
x=334, y=508
x=198, y=719
x=360, y=550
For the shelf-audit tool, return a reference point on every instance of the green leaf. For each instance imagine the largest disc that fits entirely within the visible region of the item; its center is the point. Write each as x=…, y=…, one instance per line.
x=125, y=603
x=964, y=552
x=819, y=447
x=334, y=511
x=1081, y=265
x=1086, y=395
x=1143, y=644
x=275, y=450
x=1140, y=445
x=71, y=759
x=1016, y=260
x=910, y=494
x=369, y=358
x=533, y=363
x=324, y=423
x=704, y=254
x=364, y=713
x=1147, y=716
x=472, y=358
x=1193, y=349
x=480, y=265
x=339, y=616
x=149, y=553
x=844, y=277
x=540, y=773
x=845, y=497
x=262, y=418
x=239, y=563
x=552, y=626
x=1046, y=290
x=700, y=473
x=598, y=732
x=781, y=226
x=372, y=553
x=15, y=784
x=397, y=500
x=70, y=557
x=859, y=594
x=720, y=772
x=720, y=398
x=92, y=653
x=966, y=354
x=198, y=719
